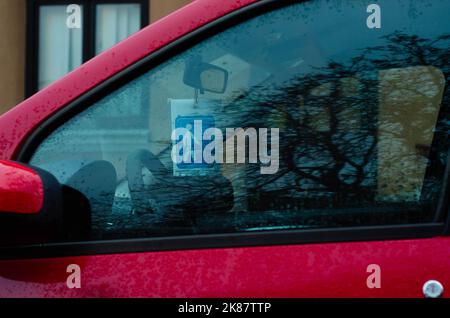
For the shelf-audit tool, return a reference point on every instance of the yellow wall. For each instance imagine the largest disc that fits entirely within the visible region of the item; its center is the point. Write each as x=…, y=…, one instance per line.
x=409, y=103
x=12, y=52
x=160, y=8
x=13, y=45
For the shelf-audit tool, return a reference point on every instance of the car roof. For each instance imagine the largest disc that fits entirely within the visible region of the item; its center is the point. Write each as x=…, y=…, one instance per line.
x=18, y=122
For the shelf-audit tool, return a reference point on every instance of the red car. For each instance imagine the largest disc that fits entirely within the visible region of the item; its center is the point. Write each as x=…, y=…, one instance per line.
x=340, y=187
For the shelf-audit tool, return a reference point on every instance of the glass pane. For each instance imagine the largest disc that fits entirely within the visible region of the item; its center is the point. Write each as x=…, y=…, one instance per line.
x=363, y=124
x=114, y=23
x=60, y=47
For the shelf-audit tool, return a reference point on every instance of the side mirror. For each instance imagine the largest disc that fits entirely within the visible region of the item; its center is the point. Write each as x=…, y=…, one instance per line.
x=21, y=189
x=205, y=77
x=34, y=207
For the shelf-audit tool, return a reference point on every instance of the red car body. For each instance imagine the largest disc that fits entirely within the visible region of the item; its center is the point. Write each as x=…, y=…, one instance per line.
x=336, y=269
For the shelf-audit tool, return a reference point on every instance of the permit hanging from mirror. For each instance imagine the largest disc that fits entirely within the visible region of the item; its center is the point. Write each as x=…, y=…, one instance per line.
x=190, y=119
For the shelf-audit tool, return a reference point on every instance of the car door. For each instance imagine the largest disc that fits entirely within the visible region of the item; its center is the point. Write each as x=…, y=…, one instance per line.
x=285, y=150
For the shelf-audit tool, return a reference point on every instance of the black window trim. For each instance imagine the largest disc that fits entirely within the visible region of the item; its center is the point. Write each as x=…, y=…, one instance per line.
x=88, y=18
x=205, y=241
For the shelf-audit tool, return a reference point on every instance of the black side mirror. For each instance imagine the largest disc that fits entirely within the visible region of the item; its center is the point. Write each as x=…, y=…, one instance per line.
x=205, y=77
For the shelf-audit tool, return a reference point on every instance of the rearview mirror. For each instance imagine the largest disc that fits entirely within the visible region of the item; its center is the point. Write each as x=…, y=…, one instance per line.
x=205, y=77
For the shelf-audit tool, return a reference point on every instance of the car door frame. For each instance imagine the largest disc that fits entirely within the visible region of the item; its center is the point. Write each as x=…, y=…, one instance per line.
x=205, y=241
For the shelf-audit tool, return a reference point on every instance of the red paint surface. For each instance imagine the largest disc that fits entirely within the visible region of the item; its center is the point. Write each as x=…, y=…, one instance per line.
x=314, y=270
x=21, y=189
x=310, y=270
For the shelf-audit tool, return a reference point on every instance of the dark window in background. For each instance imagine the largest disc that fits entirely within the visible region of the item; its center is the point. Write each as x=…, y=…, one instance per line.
x=53, y=49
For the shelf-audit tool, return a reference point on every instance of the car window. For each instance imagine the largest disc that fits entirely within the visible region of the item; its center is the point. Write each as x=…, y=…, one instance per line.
x=300, y=118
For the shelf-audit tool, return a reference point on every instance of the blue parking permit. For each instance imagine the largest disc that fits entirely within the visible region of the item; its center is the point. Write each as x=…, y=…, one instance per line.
x=188, y=122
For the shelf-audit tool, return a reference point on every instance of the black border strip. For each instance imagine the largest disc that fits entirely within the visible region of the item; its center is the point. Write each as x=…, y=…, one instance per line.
x=224, y=307
x=263, y=238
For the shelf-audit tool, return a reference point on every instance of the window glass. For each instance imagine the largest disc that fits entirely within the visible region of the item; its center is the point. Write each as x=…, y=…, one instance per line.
x=114, y=23
x=63, y=48
x=342, y=126
x=60, y=47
